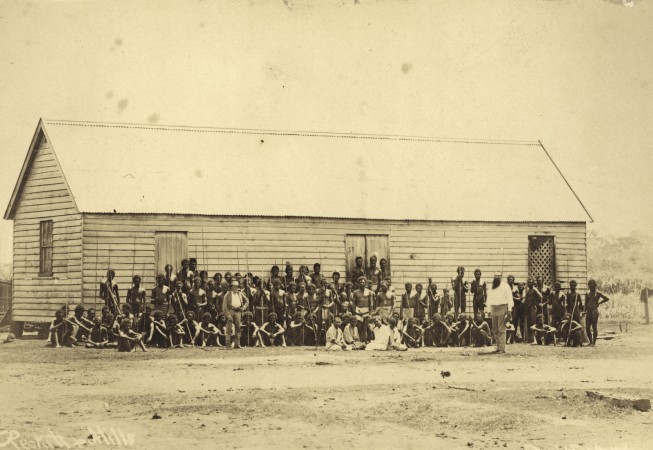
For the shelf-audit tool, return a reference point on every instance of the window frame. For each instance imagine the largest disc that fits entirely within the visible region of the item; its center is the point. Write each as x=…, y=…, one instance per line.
x=46, y=247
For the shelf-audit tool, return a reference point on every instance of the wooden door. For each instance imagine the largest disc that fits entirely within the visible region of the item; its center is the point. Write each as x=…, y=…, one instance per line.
x=170, y=248
x=365, y=246
x=354, y=246
x=377, y=244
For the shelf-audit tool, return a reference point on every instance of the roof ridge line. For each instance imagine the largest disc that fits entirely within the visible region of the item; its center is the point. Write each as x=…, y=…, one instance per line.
x=286, y=132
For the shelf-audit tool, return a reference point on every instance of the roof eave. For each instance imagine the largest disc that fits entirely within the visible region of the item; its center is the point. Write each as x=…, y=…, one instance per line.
x=10, y=212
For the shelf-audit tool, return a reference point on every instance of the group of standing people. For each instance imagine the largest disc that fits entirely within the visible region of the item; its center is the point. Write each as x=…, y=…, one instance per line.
x=236, y=310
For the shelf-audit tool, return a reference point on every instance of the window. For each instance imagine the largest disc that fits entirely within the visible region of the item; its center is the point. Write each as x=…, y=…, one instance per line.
x=45, y=248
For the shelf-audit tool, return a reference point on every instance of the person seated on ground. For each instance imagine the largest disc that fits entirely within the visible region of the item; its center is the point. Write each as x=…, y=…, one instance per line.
x=191, y=327
x=81, y=330
x=105, y=310
x=98, y=337
x=383, y=338
x=464, y=331
x=69, y=329
x=128, y=338
x=311, y=330
x=56, y=330
x=453, y=330
x=395, y=336
x=570, y=331
x=427, y=336
x=544, y=334
x=510, y=330
x=222, y=322
x=208, y=331
x=176, y=332
x=481, y=334
x=296, y=330
x=272, y=333
x=334, y=339
x=109, y=322
x=89, y=320
x=249, y=330
x=412, y=333
x=350, y=333
x=400, y=322
x=158, y=333
x=144, y=322
x=439, y=331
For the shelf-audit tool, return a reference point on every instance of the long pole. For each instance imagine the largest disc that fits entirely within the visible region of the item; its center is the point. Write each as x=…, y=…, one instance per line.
x=97, y=257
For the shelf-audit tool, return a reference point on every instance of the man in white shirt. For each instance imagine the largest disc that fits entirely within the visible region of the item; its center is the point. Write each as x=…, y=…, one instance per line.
x=499, y=297
x=235, y=303
x=383, y=338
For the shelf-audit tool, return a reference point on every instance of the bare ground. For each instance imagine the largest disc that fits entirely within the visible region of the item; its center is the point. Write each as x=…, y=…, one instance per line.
x=532, y=397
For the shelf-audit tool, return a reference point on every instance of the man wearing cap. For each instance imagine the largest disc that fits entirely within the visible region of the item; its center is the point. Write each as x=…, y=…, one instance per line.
x=235, y=303
x=499, y=296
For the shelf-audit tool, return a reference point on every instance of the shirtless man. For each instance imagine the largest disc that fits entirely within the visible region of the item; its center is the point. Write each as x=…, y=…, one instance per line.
x=593, y=299
x=363, y=306
x=98, y=337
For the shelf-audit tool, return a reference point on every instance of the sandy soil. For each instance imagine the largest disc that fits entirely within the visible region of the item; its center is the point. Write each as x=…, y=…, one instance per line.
x=532, y=397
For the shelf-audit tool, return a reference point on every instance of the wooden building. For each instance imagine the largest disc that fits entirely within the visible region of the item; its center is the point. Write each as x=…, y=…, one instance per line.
x=135, y=197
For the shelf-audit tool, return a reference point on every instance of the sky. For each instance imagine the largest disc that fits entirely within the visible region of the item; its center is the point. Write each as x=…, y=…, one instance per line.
x=576, y=75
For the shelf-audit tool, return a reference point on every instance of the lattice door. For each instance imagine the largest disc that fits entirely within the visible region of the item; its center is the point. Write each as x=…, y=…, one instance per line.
x=541, y=258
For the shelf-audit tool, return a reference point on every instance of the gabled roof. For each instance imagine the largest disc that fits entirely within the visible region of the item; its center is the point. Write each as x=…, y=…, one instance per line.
x=148, y=169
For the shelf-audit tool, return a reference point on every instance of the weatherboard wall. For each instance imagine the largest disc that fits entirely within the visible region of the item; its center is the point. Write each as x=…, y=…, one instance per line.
x=45, y=196
x=126, y=242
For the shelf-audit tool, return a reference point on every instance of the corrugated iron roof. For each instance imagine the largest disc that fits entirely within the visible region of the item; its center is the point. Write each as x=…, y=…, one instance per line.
x=129, y=168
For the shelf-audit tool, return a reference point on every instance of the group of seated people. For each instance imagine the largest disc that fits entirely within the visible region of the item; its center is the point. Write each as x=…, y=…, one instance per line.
x=234, y=310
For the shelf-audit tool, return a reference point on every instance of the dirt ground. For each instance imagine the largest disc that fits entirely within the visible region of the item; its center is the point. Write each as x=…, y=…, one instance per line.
x=531, y=397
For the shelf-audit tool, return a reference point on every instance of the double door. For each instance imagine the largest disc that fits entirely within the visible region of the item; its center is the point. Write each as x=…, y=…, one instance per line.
x=366, y=245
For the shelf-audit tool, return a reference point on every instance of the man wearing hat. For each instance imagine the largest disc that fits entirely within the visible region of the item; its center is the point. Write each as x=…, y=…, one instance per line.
x=235, y=303
x=499, y=296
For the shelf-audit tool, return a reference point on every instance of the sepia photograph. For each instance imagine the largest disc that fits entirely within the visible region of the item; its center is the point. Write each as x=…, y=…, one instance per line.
x=285, y=224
